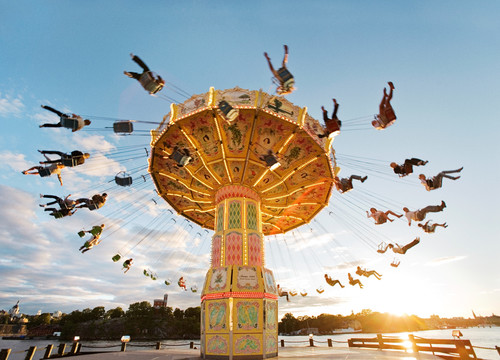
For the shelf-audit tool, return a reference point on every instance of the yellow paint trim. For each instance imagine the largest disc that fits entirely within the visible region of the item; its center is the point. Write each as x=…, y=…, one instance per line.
x=211, y=96
x=301, y=119
x=222, y=148
x=174, y=112
x=290, y=173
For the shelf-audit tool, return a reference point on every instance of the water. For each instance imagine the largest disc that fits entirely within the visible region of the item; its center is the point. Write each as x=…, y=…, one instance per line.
x=484, y=337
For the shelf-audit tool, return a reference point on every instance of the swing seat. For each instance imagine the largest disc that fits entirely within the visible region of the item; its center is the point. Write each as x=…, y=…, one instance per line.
x=382, y=247
x=293, y=293
x=395, y=263
x=180, y=158
x=194, y=288
x=69, y=123
x=92, y=206
x=303, y=293
x=320, y=290
x=390, y=114
x=116, y=257
x=153, y=277
x=230, y=113
x=81, y=233
x=168, y=282
x=123, y=179
x=123, y=127
x=150, y=83
x=332, y=126
x=44, y=172
x=286, y=78
x=146, y=273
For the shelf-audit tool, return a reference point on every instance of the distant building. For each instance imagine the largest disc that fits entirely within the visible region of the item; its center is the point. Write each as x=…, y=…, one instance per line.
x=56, y=315
x=160, y=303
x=14, y=312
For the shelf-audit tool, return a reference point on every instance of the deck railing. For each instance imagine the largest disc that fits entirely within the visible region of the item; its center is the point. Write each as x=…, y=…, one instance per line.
x=449, y=349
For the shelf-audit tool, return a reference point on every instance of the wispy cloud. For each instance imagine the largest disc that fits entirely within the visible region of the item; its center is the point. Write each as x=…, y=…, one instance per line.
x=11, y=105
x=445, y=260
x=14, y=161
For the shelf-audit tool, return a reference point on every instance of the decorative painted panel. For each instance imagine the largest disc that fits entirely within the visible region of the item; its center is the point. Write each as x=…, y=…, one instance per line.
x=220, y=217
x=217, y=345
x=248, y=315
x=216, y=253
x=247, y=344
x=234, y=217
x=235, y=136
x=216, y=316
x=271, y=315
x=255, y=255
x=271, y=343
x=234, y=248
x=247, y=279
x=269, y=281
x=218, y=279
x=251, y=216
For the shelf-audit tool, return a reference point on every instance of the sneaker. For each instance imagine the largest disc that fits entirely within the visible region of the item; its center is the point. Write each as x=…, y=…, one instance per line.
x=364, y=178
x=128, y=74
x=42, y=205
x=443, y=204
x=391, y=85
x=132, y=55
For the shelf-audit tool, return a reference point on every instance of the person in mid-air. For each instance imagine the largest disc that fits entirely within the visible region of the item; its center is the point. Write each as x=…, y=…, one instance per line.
x=353, y=281
x=398, y=249
x=127, y=265
x=45, y=171
x=381, y=217
x=65, y=203
x=368, y=273
x=97, y=201
x=419, y=215
x=96, y=232
x=345, y=184
x=61, y=212
x=182, y=283
x=332, y=125
x=72, y=159
x=437, y=181
x=282, y=76
x=407, y=167
x=430, y=228
x=150, y=81
x=386, y=115
x=332, y=282
x=282, y=293
x=73, y=122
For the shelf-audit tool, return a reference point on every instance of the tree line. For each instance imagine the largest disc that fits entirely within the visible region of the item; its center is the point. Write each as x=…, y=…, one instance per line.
x=143, y=321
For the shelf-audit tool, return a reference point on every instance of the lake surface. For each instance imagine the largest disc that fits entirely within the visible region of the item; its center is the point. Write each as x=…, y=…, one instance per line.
x=484, y=337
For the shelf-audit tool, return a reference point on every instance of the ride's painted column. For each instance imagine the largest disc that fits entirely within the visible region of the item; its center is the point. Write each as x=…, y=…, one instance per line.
x=239, y=306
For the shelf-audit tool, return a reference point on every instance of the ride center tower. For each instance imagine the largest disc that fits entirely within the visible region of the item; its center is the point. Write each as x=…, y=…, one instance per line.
x=244, y=164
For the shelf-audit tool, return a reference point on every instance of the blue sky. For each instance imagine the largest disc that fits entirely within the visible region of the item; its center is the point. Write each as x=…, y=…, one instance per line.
x=442, y=56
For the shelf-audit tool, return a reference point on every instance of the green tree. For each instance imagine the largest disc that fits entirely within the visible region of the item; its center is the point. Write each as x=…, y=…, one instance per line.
x=115, y=313
x=178, y=314
x=139, y=309
x=288, y=324
x=97, y=313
